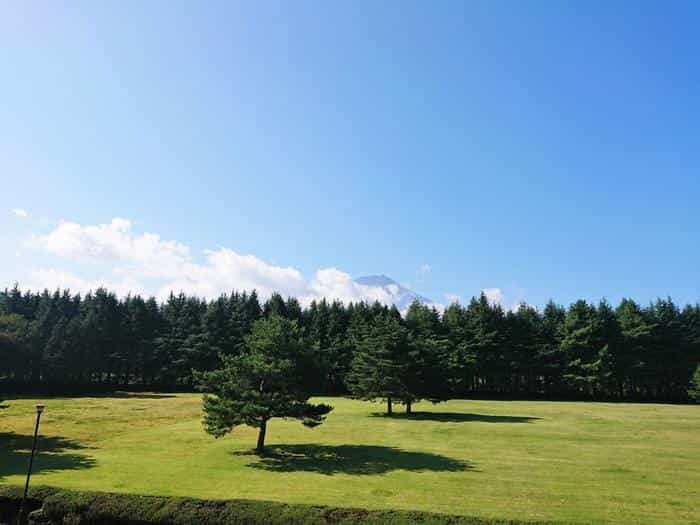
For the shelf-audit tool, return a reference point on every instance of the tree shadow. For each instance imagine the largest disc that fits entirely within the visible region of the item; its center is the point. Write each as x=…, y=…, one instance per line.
x=133, y=395
x=457, y=417
x=351, y=459
x=53, y=453
x=119, y=394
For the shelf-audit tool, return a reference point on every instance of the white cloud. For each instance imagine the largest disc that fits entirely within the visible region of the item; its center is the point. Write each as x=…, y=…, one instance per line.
x=145, y=263
x=494, y=295
x=52, y=279
x=19, y=212
x=225, y=270
x=510, y=301
x=424, y=270
x=115, y=243
x=451, y=298
x=332, y=283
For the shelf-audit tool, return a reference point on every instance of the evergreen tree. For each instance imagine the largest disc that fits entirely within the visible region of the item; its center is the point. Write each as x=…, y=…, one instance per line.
x=485, y=339
x=581, y=344
x=635, y=345
x=461, y=358
x=610, y=336
x=339, y=350
x=551, y=359
x=525, y=337
x=426, y=367
x=668, y=361
x=275, y=305
x=264, y=382
x=378, y=369
x=17, y=339
x=54, y=339
x=694, y=388
x=214, y=337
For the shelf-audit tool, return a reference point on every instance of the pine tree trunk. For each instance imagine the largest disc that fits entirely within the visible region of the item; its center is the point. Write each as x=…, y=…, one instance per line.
x=408, y=407
x=261, y=436
x=388, y=406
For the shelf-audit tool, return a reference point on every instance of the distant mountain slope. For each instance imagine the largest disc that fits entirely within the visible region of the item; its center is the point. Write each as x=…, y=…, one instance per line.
x=401, y=296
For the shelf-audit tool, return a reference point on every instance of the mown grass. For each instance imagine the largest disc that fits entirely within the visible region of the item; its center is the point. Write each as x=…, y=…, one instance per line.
x=584, y=462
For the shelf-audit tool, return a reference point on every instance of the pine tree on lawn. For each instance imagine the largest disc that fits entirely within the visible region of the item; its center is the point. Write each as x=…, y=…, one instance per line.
x=426, y=373
x=379, y=366
x=265, y=381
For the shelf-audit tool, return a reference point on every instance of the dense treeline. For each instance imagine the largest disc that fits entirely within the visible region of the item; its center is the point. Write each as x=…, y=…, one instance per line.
x=60, y=340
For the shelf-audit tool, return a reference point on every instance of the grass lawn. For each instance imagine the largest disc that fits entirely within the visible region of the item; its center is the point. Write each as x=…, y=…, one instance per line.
x=586, y=462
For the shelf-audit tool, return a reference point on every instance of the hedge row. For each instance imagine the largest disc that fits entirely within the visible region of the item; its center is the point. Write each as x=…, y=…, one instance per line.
x=93, y=508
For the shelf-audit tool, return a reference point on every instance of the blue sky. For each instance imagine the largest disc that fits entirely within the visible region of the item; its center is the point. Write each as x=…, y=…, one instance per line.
x=542, y=149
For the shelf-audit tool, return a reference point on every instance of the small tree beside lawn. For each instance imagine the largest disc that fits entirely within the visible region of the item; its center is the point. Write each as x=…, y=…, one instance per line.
x=267, y=380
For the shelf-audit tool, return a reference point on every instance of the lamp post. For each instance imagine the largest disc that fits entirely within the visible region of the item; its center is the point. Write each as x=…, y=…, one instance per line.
x=39, y=410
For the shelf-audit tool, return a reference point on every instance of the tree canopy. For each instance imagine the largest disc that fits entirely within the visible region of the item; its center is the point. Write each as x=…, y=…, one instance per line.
x=694, y=389
x=266, y=380
x=58, y=341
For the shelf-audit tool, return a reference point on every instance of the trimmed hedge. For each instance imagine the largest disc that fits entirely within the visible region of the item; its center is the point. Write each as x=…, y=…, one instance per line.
x=94, y=508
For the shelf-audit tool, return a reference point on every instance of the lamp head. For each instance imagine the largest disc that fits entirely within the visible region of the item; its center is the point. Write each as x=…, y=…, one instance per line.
x=39, y=409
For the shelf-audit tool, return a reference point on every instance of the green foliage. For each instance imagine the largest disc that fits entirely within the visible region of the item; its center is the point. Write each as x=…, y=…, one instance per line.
x=55, y=341
x=62, y=507
x=426, y=375
x=694, y=389
x=265, y=381
x=18, y=343
x=327, y=334
x=381, y=364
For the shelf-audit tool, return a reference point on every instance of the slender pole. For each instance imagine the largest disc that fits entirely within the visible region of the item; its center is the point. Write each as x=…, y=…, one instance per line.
x=39, y=410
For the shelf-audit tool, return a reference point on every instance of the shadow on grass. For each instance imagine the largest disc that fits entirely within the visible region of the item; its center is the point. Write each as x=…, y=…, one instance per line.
x=351, y=459
x=77, y=395
x=457, y=417
x=53, y=453
x=133, y=395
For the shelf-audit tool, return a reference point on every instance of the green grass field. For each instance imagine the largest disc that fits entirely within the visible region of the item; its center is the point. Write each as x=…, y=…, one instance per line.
x=585, y=462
